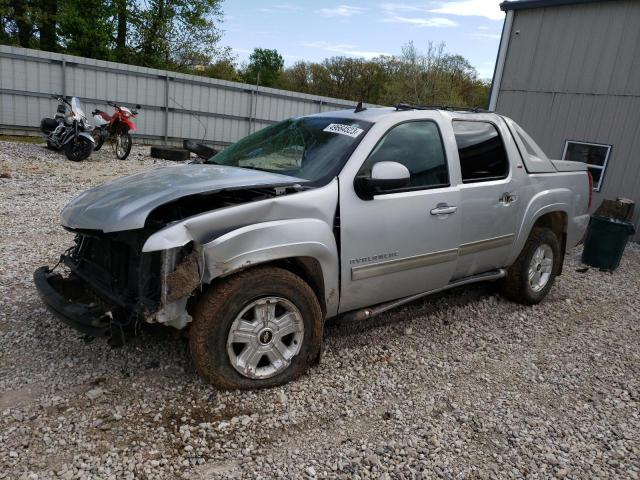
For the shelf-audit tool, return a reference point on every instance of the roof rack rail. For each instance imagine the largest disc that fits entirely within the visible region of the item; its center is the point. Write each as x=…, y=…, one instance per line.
x=410, y=106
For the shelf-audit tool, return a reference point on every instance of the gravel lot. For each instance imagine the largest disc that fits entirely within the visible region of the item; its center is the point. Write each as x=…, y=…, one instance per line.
x=464, y=385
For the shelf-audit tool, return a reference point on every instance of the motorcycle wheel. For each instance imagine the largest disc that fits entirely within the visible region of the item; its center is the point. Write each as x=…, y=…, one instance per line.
x=78, y=149
x=98, y=136
x=123, y=145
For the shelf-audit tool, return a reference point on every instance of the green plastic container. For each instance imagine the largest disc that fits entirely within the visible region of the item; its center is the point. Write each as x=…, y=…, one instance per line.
x=605, y=242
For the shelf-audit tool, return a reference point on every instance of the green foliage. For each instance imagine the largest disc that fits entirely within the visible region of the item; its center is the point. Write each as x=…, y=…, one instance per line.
x=86, y=32
x=265, y=66
x=184, y=36
x=432, y=77
x=177, y=34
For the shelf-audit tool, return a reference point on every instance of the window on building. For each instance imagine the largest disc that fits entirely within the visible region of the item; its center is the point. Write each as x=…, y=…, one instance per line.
x=595, y=155
x=418, y=146
x=481, y=150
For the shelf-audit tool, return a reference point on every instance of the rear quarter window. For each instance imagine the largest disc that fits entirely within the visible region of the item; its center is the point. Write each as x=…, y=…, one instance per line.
x=483, y=156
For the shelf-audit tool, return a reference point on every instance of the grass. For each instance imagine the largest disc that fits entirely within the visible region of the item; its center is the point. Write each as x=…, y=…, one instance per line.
x=21, y=139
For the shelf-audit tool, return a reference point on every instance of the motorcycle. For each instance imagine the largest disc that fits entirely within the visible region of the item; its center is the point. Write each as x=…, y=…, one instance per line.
x=68, y=130
x=115, y=126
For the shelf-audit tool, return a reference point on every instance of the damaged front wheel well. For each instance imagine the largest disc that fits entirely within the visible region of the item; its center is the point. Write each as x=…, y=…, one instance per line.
x=307, y=268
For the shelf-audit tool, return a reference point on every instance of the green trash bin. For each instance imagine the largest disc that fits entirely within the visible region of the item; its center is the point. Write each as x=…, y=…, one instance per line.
x=605, y=242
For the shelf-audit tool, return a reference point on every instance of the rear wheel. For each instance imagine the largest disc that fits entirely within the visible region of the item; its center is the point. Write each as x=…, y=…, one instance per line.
x=123, y=144
x=532, y=275
x=98, y=136
x=78, y=149
x=259, y=328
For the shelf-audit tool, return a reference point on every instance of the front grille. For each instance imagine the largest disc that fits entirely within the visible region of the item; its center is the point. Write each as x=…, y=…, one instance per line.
x=117, y=269
x=108, y=259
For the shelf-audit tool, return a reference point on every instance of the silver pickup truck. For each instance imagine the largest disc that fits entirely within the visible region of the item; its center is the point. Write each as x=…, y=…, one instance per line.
x=347, y=213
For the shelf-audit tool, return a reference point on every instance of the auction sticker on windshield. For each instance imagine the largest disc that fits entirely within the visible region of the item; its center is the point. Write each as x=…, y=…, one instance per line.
x=343, y=129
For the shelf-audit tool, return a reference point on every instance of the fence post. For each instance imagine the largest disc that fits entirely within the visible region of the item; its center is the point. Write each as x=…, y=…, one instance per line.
x=166, y=109
x=64, y=77
x=250, y=92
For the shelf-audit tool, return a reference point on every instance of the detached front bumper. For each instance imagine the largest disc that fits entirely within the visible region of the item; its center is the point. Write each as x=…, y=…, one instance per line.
x=71, y=302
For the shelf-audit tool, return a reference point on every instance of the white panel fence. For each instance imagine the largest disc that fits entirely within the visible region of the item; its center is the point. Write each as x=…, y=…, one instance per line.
x=175, y=106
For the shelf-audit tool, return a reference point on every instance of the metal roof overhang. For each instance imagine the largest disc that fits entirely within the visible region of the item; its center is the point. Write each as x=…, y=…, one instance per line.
x=527, y=4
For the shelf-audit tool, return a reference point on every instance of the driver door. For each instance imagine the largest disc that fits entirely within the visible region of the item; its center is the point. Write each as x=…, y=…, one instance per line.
x=404, y=241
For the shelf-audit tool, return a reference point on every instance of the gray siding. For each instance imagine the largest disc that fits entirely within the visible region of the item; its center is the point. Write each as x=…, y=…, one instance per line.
x=174, y=105
x=573, y=73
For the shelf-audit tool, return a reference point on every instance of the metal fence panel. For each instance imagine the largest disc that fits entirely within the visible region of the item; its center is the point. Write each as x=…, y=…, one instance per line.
x=174, y=105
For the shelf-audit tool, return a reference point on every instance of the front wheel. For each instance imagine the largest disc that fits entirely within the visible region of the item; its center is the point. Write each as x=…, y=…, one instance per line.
x=532, y=275
x=258, y=328
x=78, y=149
x=123, y=145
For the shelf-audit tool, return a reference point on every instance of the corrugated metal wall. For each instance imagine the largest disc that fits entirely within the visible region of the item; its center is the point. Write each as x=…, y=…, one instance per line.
x=174, y=106
x=573, y=73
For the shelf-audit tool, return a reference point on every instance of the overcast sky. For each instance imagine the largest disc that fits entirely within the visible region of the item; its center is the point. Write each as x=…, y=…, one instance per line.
x=304, y=30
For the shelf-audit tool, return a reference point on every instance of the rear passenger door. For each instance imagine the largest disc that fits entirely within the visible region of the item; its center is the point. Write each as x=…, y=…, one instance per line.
x=489, y=197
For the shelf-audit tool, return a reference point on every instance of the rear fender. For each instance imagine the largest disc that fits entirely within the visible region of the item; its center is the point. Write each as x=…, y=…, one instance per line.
x=271, y=241
x=547, y=201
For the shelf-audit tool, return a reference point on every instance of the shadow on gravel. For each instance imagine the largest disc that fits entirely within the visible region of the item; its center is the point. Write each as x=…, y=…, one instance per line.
x=430, y=306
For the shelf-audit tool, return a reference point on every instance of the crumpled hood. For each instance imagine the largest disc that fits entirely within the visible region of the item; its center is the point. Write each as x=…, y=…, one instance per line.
x=125, y=203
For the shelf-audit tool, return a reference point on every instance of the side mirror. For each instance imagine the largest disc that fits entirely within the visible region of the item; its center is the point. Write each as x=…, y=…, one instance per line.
x=384, y=176
x=138, y=107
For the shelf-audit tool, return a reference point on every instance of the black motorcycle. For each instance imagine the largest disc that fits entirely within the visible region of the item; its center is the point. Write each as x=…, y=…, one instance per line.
x=68, y=130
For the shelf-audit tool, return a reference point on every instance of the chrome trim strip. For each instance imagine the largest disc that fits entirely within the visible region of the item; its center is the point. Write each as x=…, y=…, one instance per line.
x=487, y=244
x=393, y=266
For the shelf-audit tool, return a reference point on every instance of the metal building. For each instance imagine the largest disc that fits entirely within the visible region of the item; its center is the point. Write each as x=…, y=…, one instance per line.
x=568, y=71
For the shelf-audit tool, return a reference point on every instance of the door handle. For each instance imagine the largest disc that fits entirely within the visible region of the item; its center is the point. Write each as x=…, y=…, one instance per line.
x=443, y=209
x=507, y=198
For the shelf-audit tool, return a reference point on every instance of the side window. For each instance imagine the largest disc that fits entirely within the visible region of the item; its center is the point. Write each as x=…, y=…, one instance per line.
x=482, y=153
x=418, y=146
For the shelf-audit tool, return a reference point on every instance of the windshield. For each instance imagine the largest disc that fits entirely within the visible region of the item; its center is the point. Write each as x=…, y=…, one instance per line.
x=310, y=148
x=77, y=108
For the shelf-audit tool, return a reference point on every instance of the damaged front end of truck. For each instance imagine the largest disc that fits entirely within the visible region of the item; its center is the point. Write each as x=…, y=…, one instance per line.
x=108, y=284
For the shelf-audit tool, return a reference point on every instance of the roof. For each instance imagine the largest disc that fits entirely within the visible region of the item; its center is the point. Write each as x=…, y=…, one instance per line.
x=527, y=4
x=376, y=114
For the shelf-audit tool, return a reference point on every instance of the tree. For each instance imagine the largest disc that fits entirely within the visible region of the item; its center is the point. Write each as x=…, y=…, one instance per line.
x=47, y=24
x=22, y=16
x=87, y=34
x=265, y=65
x=178, y=34
x=121, y=11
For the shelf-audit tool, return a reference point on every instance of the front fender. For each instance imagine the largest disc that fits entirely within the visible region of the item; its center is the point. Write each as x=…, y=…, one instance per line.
x=269, y=241
x=81, y=134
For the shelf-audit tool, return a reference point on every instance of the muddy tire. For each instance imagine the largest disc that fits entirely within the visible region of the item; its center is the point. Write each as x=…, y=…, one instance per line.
x=259, y=328
x=170, y=153
x=533, y=273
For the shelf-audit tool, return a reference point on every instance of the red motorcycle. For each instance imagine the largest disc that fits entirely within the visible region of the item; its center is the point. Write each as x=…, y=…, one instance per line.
x=116, y=126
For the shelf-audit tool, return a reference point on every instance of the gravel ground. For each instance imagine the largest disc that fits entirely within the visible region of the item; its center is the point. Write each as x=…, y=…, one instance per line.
x=463, y=385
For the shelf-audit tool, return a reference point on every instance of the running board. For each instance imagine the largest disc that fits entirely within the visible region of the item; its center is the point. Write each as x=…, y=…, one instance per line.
x=366, y=313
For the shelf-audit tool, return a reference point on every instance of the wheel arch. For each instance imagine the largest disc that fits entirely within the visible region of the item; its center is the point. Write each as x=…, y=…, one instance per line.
x=310, y=252
x=553, y=217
